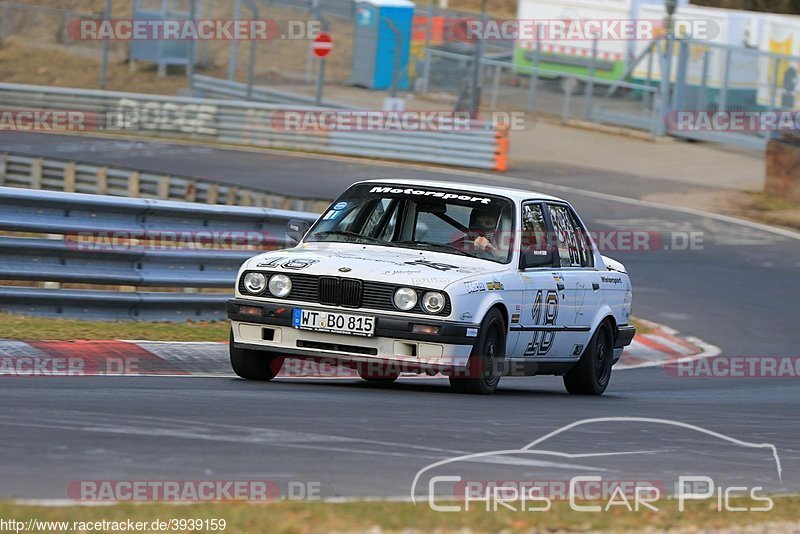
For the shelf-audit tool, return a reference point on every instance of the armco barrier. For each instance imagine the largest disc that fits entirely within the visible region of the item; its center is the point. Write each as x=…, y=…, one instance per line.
x=78, y=250
x=209, y=87
x=253, y=124
x=18, y=170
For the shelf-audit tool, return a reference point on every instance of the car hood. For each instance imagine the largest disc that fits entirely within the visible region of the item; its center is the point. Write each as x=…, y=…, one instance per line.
x=433, y=270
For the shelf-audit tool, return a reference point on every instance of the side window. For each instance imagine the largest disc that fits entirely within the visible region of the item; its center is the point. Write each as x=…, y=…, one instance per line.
x=573, y=246
x=534, y=229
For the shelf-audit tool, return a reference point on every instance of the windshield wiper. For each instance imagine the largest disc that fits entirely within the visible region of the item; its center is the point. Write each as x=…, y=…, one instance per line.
x=355, y=235
x=448, y=248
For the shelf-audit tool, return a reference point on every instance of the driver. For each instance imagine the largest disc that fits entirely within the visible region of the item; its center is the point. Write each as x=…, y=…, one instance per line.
x=483, y=223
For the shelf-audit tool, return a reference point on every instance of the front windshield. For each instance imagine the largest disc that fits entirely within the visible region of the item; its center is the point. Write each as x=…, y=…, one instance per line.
x=440, y=220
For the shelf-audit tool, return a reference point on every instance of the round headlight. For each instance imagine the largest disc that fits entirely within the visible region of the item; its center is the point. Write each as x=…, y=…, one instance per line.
x=405, y=298
x=433, y=302
x=280, y=285
x=255, y=282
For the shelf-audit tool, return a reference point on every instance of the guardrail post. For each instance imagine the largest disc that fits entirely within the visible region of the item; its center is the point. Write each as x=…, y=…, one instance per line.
x=163, y=188
x=36, y=173
x=233, y=193
x=3, y=160
x=501, y=154
x=537, y=49
x=4, y=24
x=69, y=177
x=102, y=180
x=212, y=194
x=134, y=190
x=191, y=191
x=247, y=198
x=722, y=105
x=426, y=67
x=495, y=86
x=587, y=101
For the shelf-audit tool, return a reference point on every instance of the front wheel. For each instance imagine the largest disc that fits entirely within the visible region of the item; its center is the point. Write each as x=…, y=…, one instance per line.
x=377, y=373
x=485, y=365
x=254, y=364
x=593, y=372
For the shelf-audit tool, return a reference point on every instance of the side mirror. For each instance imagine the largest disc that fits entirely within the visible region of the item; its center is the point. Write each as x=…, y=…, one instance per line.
x=296, y=229
x=537, y=258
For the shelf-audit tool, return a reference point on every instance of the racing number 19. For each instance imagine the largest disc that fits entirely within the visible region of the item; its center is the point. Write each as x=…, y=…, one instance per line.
x=543, y=308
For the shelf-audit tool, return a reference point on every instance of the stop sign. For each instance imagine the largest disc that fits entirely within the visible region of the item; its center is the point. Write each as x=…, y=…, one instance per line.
x=323, y=45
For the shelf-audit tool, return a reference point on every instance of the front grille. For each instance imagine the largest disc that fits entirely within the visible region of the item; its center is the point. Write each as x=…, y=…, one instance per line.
x=329, y=291
x=305, y=287
x=340, y=292
x=347, y=292
x=350, y=293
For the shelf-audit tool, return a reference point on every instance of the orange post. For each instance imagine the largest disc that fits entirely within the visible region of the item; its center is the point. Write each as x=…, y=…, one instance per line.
x=501, y=152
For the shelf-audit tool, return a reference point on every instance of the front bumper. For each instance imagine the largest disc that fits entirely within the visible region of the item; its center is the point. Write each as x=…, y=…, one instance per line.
x=393, y=340
x=624, y=336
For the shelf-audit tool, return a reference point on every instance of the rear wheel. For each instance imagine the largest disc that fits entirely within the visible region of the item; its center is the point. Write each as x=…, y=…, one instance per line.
x=485, y=365
x=593, y=372
x=254, y=364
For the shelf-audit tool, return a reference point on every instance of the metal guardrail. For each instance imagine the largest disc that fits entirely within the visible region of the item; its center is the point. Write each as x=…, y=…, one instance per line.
x=18, y=170
x=259, y=124
x=209, y=87
x=134, y=243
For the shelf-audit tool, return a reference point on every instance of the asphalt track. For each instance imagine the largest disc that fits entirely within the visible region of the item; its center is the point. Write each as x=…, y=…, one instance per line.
x=739, y=291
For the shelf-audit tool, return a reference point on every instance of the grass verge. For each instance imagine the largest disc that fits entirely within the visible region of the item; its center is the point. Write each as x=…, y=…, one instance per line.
x=43, y=328
x=772, y=210
x=313, y=517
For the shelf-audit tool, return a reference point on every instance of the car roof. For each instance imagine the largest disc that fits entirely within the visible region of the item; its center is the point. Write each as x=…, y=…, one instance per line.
x=517, y=195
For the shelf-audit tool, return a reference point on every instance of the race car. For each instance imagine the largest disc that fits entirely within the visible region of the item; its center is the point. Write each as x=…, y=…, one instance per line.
x=402, y=276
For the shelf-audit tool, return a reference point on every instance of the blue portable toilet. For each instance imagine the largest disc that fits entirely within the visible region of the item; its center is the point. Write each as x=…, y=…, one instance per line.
x=375, y=43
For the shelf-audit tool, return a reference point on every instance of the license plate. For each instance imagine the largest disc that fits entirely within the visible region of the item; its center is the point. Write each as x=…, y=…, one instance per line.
x=337, y=323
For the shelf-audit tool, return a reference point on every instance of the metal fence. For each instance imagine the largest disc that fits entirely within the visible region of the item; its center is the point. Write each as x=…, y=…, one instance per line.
x=17, y=170
x=511, y=87
x=701, y=78
x=482, y=145
x=713, y=78
x=136, y=243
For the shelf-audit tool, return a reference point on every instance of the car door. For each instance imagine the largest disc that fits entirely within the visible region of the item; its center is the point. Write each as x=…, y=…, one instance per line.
x=578, y=279
x=538, y=323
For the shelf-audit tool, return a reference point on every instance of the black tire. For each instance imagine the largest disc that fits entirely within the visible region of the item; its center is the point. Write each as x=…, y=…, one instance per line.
x=485, y=365
x=592, y=373
x=254, y=364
